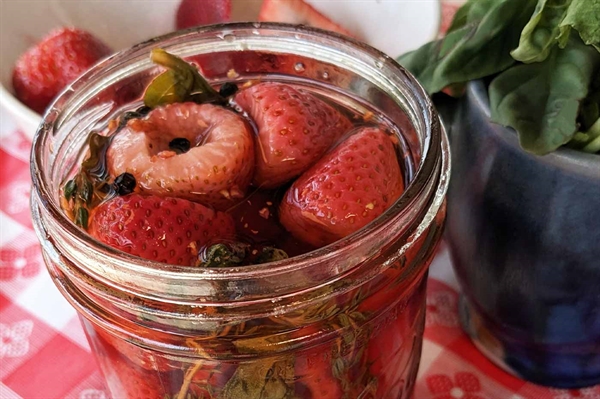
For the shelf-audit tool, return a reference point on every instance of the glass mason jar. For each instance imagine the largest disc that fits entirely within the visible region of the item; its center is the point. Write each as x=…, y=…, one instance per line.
x=343, y=321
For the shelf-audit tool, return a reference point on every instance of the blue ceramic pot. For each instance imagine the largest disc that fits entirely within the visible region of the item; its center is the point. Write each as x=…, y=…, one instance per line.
x=524, y=234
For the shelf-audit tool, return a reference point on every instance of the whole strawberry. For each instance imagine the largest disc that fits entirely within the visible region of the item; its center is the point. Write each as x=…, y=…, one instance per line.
x=294, y=130
x=49, y=66
x=202, y=12
x=348, y=188
x=168, y=230
x=297, y=12
x=214, y=167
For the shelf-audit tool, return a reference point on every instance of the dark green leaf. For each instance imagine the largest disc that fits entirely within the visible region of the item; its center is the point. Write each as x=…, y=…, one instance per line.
x=479, y=48
x=270, y=254
x=541, y=100
x=70, y=189
x=461, y=17
x=86, y=189
x=81, y=217
x=225, y=255
x=181, y=82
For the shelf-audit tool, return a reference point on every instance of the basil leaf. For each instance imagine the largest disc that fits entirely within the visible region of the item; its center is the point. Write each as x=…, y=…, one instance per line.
x=551, y=24
x=181, y=82
x=481, y=47
x=541, y=100
x=583, y=16
x=541, y=33
x=167, y=88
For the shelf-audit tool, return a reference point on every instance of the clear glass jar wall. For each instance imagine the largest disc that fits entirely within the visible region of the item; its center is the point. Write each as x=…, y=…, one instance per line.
x=343, y=321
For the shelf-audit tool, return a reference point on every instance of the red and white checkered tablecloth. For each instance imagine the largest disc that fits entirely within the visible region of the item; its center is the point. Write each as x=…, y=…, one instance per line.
x=44, y=353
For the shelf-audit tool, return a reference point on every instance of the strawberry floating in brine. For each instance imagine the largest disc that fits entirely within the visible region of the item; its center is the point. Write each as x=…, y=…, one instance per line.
x=168, y=230
x=200, y=152
x=348, y=188
x=295, y=129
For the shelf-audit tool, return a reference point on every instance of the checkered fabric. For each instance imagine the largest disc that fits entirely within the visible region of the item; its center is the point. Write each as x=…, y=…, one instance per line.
x=44, y=353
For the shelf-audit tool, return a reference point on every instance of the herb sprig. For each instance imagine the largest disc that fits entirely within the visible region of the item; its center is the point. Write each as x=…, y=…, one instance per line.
x=89, y=185
x=179, y=83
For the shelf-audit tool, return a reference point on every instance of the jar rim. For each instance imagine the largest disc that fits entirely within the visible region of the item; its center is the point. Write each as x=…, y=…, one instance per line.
x=434, y=150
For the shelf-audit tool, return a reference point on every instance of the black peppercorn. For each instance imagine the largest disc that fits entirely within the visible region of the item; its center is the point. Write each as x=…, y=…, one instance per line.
x=228, y=89
x=180, y=145
x=124, y=183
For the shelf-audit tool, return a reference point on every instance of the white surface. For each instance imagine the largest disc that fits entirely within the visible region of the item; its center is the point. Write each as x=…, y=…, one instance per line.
x=393, y=26
x=42, y=298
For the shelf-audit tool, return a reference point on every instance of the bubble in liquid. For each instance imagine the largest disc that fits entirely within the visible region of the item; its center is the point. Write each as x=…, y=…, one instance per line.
x=379, y=64
x=256, y=24
x=299, y=67
x=229, y=37
x=325, y=75
x=255, y=32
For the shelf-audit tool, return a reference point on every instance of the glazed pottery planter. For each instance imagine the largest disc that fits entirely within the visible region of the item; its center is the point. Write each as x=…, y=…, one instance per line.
x=524, y=234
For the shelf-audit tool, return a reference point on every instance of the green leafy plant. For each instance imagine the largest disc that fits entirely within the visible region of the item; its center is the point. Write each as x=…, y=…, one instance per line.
x=542, y=58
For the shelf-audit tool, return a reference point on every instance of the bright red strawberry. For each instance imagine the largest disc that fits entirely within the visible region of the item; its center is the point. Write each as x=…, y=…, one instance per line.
x=168, y=230
x=126, y=380
x=215, y=170
x=348, y=188
x=294, y=130
x=202, y=12
x=45, y=69
x=297, y=12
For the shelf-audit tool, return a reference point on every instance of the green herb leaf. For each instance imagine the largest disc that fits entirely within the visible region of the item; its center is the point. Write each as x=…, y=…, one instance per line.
x=583, y=16
x=551, y=24
x=489, y=30
x=541, y=100
x=81, y=217
x=270, y=254
x=181, y=82
x=70, y=189
x=541, y=33
x=261, y=379
x=591, y=138
x=225, y=255
x=86, y=190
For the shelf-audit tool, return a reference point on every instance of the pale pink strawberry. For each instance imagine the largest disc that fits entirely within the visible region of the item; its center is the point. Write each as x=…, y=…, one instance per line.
x=294, y=130
x=348, y=188
x=217, y=169
x=168, y=230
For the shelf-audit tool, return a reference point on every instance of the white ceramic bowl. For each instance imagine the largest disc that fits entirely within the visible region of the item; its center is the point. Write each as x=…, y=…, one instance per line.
x=393, y=26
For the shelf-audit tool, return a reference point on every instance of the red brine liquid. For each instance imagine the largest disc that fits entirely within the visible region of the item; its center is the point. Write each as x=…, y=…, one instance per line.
x=274, y=171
